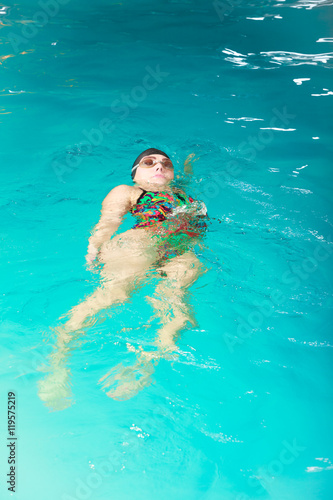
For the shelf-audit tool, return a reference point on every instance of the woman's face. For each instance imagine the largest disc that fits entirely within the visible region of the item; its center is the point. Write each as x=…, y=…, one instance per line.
x=157, y=174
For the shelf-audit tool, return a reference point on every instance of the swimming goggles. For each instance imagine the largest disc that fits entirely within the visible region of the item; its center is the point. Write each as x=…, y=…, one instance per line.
x=150, y=162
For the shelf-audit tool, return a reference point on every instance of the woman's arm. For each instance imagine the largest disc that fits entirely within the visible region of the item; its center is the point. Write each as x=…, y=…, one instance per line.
x=115, y=205
x=184, y=179
x=188, y=164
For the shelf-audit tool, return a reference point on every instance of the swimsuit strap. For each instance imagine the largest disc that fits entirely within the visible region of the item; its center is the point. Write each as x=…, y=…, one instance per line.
x=144, y=192
x=179, y=196
x=141, y=195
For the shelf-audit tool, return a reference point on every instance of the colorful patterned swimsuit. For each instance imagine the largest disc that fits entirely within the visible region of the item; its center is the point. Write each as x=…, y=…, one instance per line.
x=165, y=214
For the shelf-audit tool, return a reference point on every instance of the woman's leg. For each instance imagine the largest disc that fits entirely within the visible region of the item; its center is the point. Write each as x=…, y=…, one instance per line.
x=171, y=305
x=127, y=260
x=171, y=297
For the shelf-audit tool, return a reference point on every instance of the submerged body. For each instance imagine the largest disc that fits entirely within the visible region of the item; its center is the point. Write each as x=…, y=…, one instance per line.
x=168, y=224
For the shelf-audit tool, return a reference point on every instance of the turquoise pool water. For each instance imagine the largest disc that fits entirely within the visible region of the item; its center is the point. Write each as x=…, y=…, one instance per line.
x=245, y=412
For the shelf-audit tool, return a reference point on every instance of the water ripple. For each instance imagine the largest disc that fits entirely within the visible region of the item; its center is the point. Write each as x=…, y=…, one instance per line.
x=310, y=4
x=278, y=58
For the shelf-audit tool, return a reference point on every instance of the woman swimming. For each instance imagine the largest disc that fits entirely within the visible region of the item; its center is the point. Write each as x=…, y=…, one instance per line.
x=168, y=224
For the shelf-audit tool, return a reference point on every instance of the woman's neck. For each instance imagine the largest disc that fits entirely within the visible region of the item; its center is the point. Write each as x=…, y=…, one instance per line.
x=157, y=188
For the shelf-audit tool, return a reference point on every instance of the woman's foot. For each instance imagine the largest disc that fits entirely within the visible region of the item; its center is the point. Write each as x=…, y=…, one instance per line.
x=129, y=380
x=54, y=390
x=129, y=387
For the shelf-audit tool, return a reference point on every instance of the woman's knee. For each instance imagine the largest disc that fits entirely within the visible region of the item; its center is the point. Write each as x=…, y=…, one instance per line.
x=185, y=269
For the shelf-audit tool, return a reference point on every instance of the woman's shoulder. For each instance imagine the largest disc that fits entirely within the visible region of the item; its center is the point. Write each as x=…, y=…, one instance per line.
x=183, y=194
x=179, y=190
x=199, y=205
x=123, y=191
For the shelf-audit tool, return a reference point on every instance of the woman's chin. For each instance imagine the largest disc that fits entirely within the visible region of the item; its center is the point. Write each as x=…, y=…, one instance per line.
x=154, y=182
x=159, y=181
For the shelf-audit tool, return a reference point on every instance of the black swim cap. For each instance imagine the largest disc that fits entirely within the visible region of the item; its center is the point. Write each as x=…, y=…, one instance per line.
x=147, y=152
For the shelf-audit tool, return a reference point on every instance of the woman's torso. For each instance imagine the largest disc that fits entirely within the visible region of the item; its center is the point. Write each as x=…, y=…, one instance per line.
x=167, y=223
x=169, y=212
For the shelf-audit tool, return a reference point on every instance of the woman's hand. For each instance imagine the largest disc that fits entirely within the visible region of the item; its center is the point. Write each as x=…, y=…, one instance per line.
x=188, y=164
x=91, y=258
